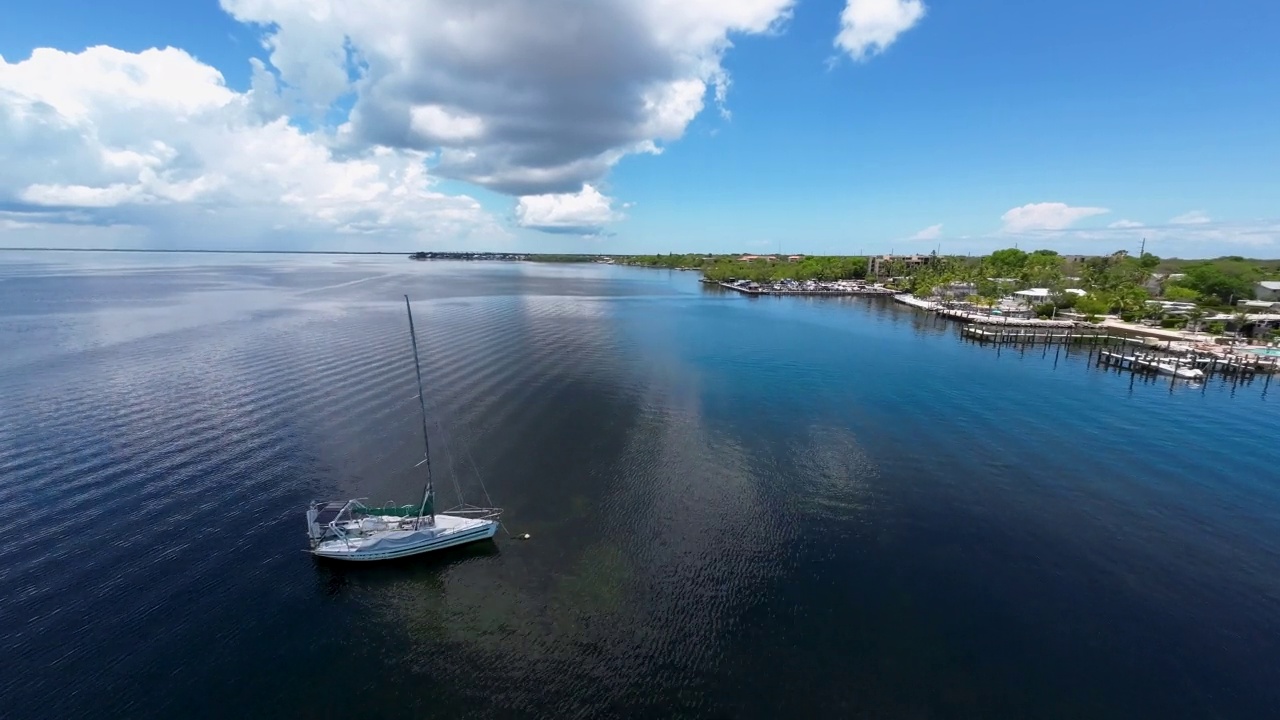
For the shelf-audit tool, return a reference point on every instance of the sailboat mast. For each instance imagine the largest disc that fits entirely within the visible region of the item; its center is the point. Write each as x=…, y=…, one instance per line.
x=422, y=404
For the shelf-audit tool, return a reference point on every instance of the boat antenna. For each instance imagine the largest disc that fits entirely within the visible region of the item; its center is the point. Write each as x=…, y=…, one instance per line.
x=422, y=403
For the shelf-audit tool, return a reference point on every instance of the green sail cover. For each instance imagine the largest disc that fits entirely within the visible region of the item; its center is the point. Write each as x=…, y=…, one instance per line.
x=401, y=511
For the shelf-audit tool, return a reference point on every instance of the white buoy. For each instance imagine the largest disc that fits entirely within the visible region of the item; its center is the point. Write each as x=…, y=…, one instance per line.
x=524, y=536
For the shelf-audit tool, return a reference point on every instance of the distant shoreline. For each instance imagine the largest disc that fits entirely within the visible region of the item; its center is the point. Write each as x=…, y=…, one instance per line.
x=221, y=252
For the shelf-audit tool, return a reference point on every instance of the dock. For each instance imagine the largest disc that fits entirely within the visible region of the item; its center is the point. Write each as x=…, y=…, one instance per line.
x=1187, y=365
x=1046, y=336
x=1123, y=352
x=1179, y=368
x=978, y=318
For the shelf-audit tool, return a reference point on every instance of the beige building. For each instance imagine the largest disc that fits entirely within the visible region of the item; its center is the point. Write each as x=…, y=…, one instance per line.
x=880, y=265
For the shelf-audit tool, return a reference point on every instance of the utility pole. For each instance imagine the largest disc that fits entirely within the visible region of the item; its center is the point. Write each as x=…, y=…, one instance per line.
x=1143, y=250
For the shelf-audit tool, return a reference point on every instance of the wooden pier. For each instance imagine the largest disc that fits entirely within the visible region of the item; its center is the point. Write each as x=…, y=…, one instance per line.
x=1045, y=336
x=1179, y=368
x=1237, y=365
x=1122, y=352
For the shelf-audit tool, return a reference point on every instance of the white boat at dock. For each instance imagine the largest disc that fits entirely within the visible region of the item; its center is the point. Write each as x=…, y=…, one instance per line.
x=980, y=318
x=1176, y=370
x=806, y=287
x=350, y=530
x=1152, y=363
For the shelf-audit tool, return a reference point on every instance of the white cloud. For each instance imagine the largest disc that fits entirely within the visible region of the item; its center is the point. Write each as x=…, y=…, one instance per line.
x=524, y=98
x=1195, y=217
x=583, y=213
x=933, y=232
x=1046, y=216
x=1259, y=237
x=156, y=139
x=433, y=121
x=1124, y=225
x=869, y=27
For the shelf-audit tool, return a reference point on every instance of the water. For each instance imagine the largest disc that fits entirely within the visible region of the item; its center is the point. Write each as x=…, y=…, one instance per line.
x=768, y=507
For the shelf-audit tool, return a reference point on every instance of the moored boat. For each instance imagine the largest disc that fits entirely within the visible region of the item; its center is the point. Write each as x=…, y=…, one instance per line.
x=350, y=530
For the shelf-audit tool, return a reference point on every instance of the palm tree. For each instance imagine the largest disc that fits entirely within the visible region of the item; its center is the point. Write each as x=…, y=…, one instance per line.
x=1193, y=319
x=1240, y=319
x=1132, y=300
x=987, y=301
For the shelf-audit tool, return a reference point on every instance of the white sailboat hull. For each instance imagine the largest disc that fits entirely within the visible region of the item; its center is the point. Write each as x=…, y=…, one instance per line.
x=448, y=531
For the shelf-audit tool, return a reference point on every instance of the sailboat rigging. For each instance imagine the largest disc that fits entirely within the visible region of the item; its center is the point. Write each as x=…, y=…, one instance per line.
x=350, y=530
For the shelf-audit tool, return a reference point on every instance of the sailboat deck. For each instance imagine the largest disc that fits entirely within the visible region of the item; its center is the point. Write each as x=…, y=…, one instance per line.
x=328, y=512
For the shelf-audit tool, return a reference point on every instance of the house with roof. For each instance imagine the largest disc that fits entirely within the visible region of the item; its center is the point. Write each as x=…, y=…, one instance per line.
x=1267, y=290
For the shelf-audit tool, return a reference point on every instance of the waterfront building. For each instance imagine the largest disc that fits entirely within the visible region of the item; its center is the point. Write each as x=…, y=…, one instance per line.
x=1267, y=290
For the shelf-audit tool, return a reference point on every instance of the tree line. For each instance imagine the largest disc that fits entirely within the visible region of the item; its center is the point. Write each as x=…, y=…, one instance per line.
x=1117, y=283
x=721, y=268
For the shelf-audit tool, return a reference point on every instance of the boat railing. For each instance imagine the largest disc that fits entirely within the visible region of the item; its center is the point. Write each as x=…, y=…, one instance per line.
x=481, y=513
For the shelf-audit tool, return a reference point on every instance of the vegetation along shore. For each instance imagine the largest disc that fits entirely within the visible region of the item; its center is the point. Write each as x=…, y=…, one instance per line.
x=1233, y=301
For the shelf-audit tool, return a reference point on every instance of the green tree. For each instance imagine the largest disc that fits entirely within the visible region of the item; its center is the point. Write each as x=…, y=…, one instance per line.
x=1092, y=306
x=1177, y=293
x=987, y=301
x=1042, y=270
x=1065, y=300
x=1224, y=283
x=1131, y=300
x=1007, y=263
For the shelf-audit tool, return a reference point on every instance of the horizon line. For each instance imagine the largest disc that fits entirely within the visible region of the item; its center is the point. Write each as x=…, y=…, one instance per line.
x=492, y=252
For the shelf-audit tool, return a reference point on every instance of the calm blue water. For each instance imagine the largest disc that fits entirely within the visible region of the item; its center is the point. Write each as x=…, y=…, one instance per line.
x=739, y=507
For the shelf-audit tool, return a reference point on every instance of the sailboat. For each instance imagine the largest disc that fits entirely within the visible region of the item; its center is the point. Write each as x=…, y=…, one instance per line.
x=350, y=530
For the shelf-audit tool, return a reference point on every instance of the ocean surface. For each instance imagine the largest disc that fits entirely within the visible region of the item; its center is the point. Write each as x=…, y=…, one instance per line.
x=738, y=507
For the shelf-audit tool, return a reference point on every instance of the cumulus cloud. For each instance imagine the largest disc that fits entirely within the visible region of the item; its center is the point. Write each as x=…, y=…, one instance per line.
x=581, y=213
x=1124, y=225
x=157, y=140
x=519, y=97
x=869, y=27
x=535, y=100
x=1211, y=238
x=933, y=232
x=1195, y=217
x=1046, y=216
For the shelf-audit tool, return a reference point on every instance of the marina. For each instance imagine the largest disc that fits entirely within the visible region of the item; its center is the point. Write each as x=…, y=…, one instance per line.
x=811, y=287
x=1166, y=353
x=1182, y=360
x=980, y=318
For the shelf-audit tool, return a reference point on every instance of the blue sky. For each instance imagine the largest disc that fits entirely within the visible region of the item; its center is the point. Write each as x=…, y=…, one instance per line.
x=1082, y=126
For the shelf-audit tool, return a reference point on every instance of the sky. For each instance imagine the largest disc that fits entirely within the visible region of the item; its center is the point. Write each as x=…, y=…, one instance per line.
x=642, y=126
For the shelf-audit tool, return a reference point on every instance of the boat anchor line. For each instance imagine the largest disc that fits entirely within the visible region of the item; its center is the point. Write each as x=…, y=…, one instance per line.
x=351, y=531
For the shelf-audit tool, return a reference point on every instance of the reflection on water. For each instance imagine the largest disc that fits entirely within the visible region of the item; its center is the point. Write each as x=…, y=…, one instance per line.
x=746, y=507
